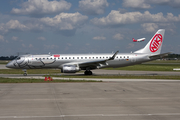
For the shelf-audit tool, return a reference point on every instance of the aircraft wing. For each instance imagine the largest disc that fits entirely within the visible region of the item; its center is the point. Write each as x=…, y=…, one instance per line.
x=159, y=56
x=94, y=64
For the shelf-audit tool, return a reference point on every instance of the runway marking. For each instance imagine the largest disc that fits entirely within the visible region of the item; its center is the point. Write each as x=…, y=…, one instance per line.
x=95, y=115
x=70, y=99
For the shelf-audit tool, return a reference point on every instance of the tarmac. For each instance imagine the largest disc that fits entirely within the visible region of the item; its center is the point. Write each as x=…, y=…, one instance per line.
x=127, y=100
x=3, y=66
x=112, y=99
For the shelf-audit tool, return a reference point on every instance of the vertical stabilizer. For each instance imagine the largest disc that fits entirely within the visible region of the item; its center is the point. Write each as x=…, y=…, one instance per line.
x=155, y=44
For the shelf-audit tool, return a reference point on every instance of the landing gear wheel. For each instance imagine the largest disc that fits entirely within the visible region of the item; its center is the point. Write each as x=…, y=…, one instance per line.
x=25, y=72
x=88, y=72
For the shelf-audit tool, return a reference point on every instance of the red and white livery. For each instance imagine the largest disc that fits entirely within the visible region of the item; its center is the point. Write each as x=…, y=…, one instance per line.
x=72, y=63
x=138, y=40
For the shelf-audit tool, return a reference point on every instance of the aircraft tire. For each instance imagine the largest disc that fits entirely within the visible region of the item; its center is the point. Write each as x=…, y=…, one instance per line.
x=25, y=74
x=88, y=72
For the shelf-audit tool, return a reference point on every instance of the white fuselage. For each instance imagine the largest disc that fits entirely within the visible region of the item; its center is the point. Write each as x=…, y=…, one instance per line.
x=71, y=63
x=57, y=60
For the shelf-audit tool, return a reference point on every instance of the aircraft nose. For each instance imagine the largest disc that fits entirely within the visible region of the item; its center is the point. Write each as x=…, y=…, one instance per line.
x=10, y=65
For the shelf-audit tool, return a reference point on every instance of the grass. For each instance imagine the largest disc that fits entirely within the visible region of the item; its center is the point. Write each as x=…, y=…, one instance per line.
x=30, y=71
x=140, y=67
x=149, y=67
x=30, y=80
x=164, y=61
x=121, y=76
x=26, y=80
x=4, y=61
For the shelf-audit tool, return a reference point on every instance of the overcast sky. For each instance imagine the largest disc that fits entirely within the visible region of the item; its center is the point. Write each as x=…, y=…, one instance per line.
x=86, y=26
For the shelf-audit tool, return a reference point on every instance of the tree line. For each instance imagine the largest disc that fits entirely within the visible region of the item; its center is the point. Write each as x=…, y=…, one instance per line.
x=8, y=57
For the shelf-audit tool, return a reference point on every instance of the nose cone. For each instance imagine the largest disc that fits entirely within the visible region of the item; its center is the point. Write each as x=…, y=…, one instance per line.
x=10, y=65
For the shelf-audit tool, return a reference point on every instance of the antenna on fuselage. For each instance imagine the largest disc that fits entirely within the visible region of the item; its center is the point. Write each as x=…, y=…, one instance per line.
x=49, y=53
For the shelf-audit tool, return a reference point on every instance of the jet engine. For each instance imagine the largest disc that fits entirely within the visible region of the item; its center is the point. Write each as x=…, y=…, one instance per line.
x=70, y=68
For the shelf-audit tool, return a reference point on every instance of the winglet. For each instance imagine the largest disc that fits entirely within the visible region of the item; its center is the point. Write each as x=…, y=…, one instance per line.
x=112, y=58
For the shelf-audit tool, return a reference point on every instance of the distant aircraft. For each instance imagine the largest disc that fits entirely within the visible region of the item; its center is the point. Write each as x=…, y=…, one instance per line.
x=72, y=63
x=138, y=40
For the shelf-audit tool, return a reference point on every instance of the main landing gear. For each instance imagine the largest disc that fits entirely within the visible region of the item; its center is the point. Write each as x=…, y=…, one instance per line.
x=25, y=72
x=88, y=72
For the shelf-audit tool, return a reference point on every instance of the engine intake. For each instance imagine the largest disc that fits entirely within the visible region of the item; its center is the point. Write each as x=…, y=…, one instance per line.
x=70, y=68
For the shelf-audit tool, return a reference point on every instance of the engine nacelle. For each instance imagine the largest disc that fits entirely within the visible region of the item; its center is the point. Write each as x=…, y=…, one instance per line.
x=70, y=68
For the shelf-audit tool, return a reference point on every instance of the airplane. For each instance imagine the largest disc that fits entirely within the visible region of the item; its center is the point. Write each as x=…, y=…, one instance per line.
x=138, y=40
x=72, y=63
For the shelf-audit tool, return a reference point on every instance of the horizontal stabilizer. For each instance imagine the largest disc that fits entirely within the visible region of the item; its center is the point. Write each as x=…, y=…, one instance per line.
x=159, y=56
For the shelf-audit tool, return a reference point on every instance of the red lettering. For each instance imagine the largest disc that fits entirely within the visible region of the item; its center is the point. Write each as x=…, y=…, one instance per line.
x=56, y=55
x=155, y=43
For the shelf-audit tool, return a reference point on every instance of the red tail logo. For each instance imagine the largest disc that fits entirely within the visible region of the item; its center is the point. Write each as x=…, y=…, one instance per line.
x=156, y=43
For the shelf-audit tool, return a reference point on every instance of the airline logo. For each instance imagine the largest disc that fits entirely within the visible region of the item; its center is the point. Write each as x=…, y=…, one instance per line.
x=156, y=43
